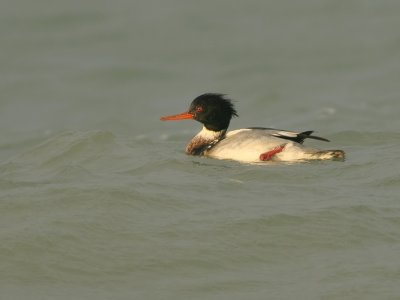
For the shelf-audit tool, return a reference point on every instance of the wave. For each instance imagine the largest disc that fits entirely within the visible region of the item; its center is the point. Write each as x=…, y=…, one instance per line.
x=66, y=155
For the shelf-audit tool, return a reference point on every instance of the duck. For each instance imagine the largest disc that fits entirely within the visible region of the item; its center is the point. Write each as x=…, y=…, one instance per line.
x=249, y=145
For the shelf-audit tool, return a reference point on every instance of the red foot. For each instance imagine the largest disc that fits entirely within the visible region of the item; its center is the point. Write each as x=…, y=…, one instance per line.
x=268, y=155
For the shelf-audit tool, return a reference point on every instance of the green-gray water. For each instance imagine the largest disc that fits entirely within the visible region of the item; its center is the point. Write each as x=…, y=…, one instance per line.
x=98, y=199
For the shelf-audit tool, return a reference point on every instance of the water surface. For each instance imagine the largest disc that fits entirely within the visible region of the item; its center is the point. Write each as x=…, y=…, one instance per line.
x=98, y=199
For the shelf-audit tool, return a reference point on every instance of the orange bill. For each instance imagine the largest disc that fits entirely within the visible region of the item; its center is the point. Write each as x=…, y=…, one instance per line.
x=182, y=116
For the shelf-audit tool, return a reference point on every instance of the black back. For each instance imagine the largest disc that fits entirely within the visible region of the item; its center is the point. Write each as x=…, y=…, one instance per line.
x=293, y=136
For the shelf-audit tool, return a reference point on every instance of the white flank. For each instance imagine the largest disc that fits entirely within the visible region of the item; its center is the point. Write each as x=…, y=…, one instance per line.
x=247, y=145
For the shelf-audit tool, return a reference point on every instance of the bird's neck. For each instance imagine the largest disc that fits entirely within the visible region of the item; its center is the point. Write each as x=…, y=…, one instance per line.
x=204, y=141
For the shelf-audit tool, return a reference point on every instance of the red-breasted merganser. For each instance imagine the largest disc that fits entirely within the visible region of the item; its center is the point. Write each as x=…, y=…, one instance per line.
x=252, y=144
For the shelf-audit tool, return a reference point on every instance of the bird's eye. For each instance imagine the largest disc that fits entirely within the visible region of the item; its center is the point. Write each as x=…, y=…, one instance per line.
x=199, y=109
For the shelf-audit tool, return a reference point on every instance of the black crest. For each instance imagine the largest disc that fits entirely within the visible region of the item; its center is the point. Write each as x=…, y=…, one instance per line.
x=213, y=110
